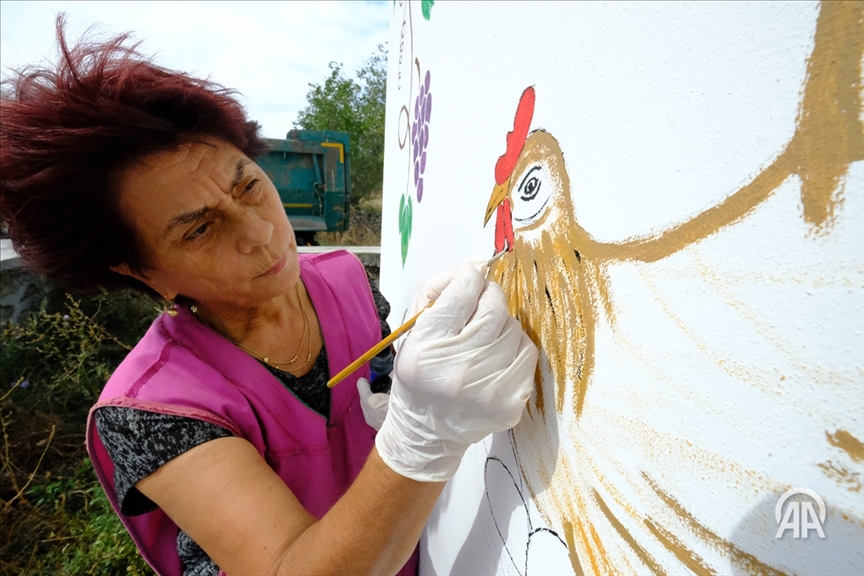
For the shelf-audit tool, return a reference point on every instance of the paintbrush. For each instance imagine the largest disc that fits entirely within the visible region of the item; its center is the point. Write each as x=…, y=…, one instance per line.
x=389, y=339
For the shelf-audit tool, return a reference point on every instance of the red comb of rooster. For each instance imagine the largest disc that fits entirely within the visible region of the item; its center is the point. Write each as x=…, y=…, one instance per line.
x=516, y=138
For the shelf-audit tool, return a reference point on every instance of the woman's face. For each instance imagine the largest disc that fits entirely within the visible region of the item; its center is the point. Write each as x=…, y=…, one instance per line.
x=210, y=225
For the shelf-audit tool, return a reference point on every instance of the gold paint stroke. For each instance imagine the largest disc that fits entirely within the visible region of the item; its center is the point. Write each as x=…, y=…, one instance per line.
x=828, y=137
x=571, y=550
x=601, y=550
x=748, y=562
x=585, y=541
x=684, y=554
x=625, y=535
x=844, y=477
x=830, y=134
x=848, y=443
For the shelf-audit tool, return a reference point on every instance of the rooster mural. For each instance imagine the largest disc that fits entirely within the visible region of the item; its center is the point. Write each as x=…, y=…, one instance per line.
x=544, y=276
x=615, y=513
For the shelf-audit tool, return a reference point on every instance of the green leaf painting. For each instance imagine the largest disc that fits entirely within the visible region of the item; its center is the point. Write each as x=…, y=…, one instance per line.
x=406, y=212
x=426, y=7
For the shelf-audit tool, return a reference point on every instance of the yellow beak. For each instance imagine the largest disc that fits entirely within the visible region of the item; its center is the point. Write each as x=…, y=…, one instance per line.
x=499, y=193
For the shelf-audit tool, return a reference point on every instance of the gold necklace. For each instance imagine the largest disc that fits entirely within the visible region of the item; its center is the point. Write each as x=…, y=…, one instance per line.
x=307, y=335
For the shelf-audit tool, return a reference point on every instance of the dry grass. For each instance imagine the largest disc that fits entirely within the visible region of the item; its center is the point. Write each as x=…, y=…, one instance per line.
x=365, y=229
x=372, y=203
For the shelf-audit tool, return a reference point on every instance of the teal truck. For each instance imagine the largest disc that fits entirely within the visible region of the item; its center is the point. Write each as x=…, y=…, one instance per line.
x=310, y=170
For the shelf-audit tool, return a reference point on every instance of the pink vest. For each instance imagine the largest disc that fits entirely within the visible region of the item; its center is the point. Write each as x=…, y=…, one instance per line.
x=183, y=368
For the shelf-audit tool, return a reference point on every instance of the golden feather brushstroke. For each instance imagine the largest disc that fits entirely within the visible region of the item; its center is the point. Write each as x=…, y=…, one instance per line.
x=601, y=550
x=844, y=477
x=744, y=560
x=592, y=556
x=848, y=443
x=643, y=554
x=687, y=557
x=571, y=550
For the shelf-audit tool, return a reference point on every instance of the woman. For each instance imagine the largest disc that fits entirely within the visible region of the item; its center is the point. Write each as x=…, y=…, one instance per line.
x=216, y=439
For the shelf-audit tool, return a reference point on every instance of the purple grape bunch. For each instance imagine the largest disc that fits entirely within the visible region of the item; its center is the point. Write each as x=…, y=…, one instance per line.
x=420, y=133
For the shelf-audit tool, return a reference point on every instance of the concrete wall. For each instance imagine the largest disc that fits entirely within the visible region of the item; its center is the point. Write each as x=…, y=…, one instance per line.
x=680, y=189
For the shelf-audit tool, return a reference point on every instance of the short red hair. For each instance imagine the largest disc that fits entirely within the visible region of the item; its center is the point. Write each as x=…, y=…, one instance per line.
x=68, y=131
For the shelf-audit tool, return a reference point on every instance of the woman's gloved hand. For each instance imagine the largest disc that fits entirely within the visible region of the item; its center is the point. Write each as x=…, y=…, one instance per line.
x=374, y=405
x=465, y=371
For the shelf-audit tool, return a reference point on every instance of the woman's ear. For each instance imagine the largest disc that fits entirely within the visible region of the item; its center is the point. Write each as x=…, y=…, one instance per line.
x=125, y=270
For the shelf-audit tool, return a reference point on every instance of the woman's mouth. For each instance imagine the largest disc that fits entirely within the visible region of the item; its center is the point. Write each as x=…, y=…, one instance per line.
x=276, y=267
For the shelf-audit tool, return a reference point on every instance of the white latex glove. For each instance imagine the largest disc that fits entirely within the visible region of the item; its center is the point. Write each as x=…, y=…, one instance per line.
x=374, y=405
x=465, y=371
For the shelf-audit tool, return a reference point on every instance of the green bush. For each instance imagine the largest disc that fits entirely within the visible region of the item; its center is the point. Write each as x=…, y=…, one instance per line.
x=55, y=518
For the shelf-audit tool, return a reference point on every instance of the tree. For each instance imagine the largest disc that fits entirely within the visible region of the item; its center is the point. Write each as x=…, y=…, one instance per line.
x=355, y=107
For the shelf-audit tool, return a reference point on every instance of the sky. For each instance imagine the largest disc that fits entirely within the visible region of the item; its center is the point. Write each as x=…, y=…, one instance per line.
x=268, y=51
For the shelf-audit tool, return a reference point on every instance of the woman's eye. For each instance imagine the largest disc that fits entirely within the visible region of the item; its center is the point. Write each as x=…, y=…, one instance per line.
x=198, y=232
x=249, y=187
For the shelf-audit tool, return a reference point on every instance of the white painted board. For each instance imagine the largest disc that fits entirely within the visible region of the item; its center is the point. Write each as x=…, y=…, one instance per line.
x=705, y=161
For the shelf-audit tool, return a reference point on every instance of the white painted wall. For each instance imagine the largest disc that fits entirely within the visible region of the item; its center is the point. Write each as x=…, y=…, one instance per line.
x=730, y=365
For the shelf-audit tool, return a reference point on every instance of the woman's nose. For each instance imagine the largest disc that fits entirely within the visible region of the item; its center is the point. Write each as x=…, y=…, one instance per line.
x=253, y=232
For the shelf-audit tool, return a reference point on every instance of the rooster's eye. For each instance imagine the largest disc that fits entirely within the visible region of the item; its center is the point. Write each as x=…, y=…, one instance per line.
x=531, y=196
x=530, y=189
x=530, y=185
